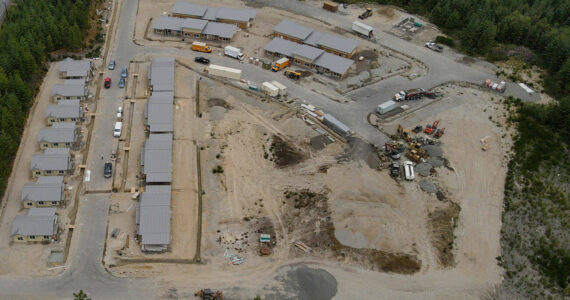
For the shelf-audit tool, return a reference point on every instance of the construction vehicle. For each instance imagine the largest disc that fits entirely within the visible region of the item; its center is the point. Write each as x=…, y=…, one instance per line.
x=417, y=147
x=414, y=156
x=395, y=169
x=431, y=128
x=393, y=153
x=367, y=13
x=412, y=94
x=208, y=294
x=404, y=133
x=292, y=74
x=418, y=129
x=281, y=64
x=439, y=133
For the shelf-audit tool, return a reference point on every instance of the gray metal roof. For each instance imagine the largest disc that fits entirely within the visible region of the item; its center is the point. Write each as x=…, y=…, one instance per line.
x=153, y=215
x=234, y=14
x=170, y=23
x=47, y=188
x=77, y=67
x=63, y=132
x=220, y=29
x=161, y=74
x=74, y=82
x=38, y=222
x=159, y=110
x=281, y=46
x=189, y=9
x=335, y=63
x=52, y=159
x=156, y=158
x=64, y=109
x=338, y=43
x=68, y=90
x=290, y=28
x=193, y=24
x=308, y=52
x=313, y=38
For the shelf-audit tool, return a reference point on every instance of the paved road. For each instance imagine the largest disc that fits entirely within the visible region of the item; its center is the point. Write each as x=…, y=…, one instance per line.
x=86, y=270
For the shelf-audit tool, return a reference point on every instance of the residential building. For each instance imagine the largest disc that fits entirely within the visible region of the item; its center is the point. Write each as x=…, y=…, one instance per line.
x=161, y=74
x=53, y=162
x=45, y=192
x=59, y=135
x=68, y=92
x=310, y=57
x=158, y=112
x=63, y=111
x=153, y=218
x=156, y=158
x=38, y=225
x=331, y=43
x=243, y=18
x=75, y=69
x=195, y=29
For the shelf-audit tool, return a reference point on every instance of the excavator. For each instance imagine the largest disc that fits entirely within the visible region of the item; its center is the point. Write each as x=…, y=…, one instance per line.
x=439, y=133
x=394, y=154
x=431, y=128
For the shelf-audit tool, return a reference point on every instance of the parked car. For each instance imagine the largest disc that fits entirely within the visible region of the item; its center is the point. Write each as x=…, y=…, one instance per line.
x=433, y=46
x=202, y=60
x=122, y=82
x=395, y=169
x=124, y=73
x=120, y=113
x=108, y=170
x=112, y=65
x=107, y=83
x=118, y=129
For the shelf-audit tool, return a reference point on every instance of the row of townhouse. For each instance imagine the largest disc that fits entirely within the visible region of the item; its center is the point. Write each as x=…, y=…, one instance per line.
x=42, y=197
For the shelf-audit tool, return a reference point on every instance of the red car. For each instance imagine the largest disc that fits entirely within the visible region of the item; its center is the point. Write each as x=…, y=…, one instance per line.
x=107, y=82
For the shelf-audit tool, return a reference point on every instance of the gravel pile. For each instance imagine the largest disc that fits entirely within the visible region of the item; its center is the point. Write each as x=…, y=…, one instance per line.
x=423, y=169
x=435, y=162
x=427, y=186
x=433, y=151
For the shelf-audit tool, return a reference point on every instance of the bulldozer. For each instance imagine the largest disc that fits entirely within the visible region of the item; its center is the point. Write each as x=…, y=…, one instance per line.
x=292, y=74
x=417, y=147
x=367, y=13
x=208, y=294
x=414, y=156
x=431, y=128
x=404, y=133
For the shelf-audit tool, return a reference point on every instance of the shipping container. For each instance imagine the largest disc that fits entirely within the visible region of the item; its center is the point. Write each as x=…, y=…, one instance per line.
x=336, y=125
x=224, y=72
x=363, y=29
x=386, y=107
x=269, y=89
x=282, y=88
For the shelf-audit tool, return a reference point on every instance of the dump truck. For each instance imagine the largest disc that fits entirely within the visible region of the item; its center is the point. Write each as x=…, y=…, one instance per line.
x=281, y=64
x=386, y=107
x=233, y=52
x=363, y=29
x=412, y=94
x=201, y=47
x=367, y=13
x=292, y=74
x=330, y=6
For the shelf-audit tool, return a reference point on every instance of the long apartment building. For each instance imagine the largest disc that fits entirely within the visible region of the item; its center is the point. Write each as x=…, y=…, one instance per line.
x=243, y=18
x=194, y=29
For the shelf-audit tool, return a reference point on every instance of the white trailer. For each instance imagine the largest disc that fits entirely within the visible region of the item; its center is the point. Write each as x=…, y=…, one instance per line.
x=282, y=88
x=224, y=72
x=363, y=29
x=386, y=107
x=269, y=89
x=233, y=52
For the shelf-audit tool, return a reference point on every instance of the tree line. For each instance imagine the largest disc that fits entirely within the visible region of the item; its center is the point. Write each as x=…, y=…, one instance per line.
x=30, y=32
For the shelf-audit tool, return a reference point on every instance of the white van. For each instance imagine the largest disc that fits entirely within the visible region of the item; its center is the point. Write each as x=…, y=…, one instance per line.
x=409, y=170
x=118, y=128
x=120, y=113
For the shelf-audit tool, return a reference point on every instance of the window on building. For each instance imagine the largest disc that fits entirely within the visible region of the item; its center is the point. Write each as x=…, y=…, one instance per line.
x=20, y=238
x=32, y=237
x=61, y=119
x=67, y=144
x=40, y=202
x=67, y=97
x=48, y=172
x=56, y=144
x=46, y=237
x=38, y=172
x=306, y=64
x=197, y=35
x=61, y=172
x=54, y=202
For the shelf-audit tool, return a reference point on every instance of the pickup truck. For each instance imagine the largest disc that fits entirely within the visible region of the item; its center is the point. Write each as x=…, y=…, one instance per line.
x=433, y=46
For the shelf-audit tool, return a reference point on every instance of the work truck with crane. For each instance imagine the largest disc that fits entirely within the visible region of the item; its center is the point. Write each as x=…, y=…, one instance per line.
x=413, y=94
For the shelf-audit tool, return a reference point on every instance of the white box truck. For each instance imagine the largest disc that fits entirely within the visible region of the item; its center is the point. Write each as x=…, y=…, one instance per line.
x=224, y=72
x=233, y=52
x=409, y=170
x=386, y=107
x=282, y=88
x=363, y=29
x=269, y=89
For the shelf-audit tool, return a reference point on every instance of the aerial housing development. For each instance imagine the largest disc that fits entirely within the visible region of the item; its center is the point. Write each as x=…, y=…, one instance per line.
x=283, y=150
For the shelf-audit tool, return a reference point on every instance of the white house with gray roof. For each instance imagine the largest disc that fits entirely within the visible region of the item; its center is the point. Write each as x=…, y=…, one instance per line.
x=156, y=158
x=52, y=162
x=243, y=18
x=59, y=135
x=153, y=218
x=68, y=92
x=63, y=111
x=75, y=69
x=193, y=28
x=332, y=43
x=47, y=191
x=310, y=57
x=38, y=225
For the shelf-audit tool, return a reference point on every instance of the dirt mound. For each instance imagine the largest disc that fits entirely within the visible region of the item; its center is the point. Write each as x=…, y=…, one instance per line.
x=358, y=149
x=284, y=154
x=218, y=102
x=386, y=11
x=319, y=142
x=442, y=223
